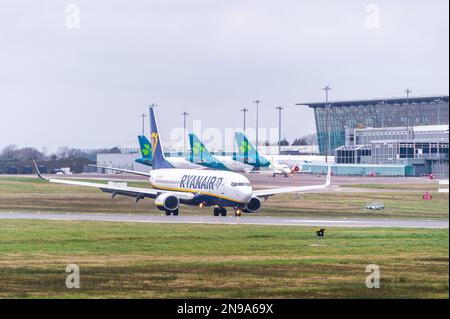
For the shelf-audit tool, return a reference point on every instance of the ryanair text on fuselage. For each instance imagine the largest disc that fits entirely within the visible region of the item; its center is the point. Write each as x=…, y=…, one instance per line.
x=200, y=182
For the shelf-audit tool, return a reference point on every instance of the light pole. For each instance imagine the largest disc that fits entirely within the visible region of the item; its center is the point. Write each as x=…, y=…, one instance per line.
x=143, y=115
x=279, y=108
x=257, y=120
x=438, y=102
x=407, y=91
x=185, y=114
x=245, y=110
x=382, y=104
x=326, y=89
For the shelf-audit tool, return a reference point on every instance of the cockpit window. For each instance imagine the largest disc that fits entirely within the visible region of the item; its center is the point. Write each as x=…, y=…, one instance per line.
x=233, y=184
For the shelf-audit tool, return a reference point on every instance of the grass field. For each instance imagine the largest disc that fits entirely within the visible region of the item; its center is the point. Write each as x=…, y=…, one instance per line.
x=127, y=260
x=188, y=261
x=401, y=201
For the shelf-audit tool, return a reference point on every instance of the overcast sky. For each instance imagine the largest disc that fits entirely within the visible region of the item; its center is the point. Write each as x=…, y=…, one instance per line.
x=86, y=86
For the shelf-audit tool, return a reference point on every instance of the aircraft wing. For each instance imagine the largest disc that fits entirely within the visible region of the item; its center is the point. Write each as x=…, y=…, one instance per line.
x=122, y=170
x=136, y=192
x=295, y=189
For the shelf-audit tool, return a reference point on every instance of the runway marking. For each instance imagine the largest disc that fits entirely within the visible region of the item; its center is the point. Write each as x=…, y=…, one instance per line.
x=246, y=220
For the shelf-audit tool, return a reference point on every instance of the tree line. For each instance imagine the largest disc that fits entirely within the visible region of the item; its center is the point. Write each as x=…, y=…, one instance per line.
x=12, y=153
x=310, y=139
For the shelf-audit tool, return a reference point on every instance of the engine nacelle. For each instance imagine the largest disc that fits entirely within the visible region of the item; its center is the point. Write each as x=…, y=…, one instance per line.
x=253, y=206
x=167, y=202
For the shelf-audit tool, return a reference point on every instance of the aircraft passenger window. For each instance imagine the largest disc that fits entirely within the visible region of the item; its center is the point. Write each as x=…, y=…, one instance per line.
x=240, y=184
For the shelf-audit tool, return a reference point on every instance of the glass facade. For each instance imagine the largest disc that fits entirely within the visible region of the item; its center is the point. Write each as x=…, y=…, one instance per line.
x=353, y=155
x=332, y=119
x=361, y=170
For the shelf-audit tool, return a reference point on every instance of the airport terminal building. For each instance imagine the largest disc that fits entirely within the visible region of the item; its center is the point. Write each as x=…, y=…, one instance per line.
x=424, y=148
x=334, y=117
x=410, y=133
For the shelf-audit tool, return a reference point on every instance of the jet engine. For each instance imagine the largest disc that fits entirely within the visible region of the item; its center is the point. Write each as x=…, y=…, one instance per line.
x=167, y=202
x=253, y=206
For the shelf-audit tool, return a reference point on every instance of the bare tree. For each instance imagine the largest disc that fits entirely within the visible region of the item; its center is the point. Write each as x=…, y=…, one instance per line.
x=62, y=152
x=284, y=142
x=310, y=139
x=28, y=153
x=9, y=153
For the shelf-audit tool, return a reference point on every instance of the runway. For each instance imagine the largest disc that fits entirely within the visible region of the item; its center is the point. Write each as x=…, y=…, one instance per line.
x=260, y=181
x=244, y=220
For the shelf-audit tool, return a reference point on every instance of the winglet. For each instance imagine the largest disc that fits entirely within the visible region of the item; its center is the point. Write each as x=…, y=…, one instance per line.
x=38, y=172
x=328, y=182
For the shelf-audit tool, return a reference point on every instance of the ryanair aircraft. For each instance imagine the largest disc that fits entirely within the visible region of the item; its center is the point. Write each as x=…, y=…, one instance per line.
x=172, y=187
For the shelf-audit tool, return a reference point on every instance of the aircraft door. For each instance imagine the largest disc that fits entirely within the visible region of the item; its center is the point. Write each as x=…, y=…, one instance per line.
x=221, y=189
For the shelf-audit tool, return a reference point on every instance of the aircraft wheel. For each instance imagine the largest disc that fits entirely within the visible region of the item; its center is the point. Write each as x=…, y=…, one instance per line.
x=167, y=212
x=175, y=212
x=223, y=211
x=216, y=211
x=237, y=213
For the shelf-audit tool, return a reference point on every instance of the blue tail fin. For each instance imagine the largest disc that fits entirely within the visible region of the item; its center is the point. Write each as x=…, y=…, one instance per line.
x=200, y=155
x=158, y=161
x=247, y=152
x=146, y=147
x=146, y=151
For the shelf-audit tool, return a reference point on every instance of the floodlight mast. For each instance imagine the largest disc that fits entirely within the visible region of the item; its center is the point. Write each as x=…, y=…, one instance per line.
x=257, y=121
x=326, y=89
x=279, y=108
x=244, y=110
x=143, y=115
x=184, y=114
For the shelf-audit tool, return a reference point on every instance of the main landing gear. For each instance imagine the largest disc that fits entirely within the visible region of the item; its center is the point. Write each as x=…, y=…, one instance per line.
x=173, y=212
x=284, y=174
x=220, y=211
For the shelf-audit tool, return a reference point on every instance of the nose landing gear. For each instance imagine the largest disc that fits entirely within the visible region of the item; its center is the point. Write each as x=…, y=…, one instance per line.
x=237, y=213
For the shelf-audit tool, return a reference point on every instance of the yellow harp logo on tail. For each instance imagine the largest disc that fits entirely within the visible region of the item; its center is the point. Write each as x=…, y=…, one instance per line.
x=154, y=138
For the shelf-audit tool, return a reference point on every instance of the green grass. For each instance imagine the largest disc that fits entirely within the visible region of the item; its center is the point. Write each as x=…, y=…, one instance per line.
x=346, y=204
x=122, y=260
x=403, y=186
x=31, y=194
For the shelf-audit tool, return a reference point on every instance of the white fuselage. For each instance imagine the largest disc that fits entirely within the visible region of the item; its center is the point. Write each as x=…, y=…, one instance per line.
x=281, y=169
x=233, y=165
x=221, y=187
x=297, y=160
x=181, y=162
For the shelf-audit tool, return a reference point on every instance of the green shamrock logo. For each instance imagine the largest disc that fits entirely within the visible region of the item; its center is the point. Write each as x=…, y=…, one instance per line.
x=198, y=147
x=146, y=149
x=245, y=147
